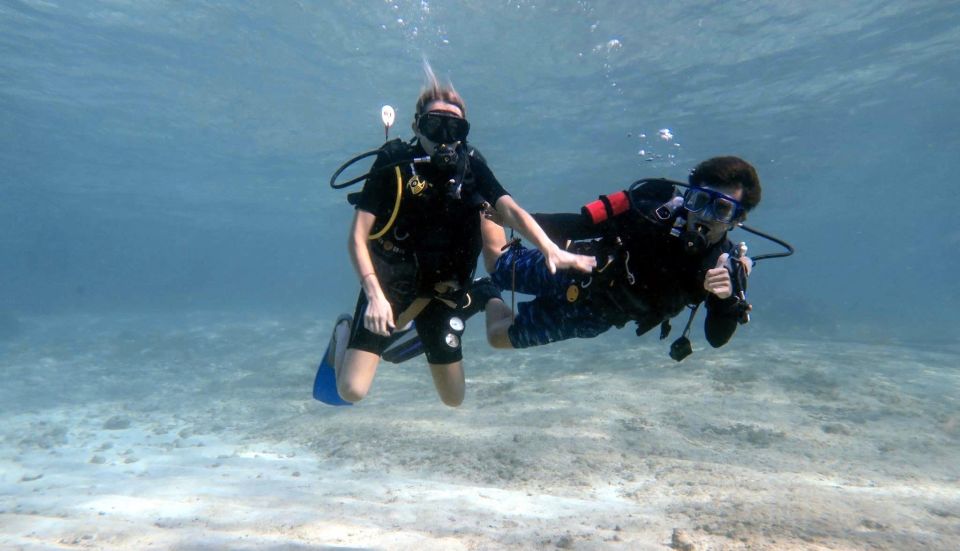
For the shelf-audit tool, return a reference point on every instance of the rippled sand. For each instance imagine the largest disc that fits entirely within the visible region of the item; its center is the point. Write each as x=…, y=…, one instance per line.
x=199, y=433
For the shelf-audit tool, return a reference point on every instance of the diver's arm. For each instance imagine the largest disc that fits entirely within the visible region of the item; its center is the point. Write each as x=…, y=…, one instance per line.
x=563, y=227
x=723, y=308
x=512, y=215
x=721, y=323
x=378, y=317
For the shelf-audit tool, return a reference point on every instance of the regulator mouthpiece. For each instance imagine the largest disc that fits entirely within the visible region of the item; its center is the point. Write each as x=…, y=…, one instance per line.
x=695, y=240
x=445, y=156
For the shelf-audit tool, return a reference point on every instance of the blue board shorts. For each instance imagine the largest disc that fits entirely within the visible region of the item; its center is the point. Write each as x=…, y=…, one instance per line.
x=549, y=317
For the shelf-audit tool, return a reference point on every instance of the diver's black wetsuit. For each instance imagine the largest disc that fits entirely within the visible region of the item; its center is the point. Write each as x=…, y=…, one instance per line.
x=643, y=275
x=435, y=238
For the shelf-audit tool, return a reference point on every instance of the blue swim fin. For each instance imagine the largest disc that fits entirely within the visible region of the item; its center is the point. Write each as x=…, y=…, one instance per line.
x=325, y=383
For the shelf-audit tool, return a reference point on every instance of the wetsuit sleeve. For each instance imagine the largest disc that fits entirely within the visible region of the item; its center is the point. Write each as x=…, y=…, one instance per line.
x=379, y=189
x=722, y=314
x=561, y=227
x=487, y=184
x=721, y=320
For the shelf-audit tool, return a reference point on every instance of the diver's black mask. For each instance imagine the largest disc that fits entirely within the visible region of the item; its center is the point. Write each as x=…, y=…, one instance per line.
x=448, y=132
x=443, y=128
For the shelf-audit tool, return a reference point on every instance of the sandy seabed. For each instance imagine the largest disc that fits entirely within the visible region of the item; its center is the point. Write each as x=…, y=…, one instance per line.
x=199, y=432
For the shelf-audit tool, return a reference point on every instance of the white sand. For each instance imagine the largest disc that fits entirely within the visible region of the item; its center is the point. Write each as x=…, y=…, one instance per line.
x=199, y=433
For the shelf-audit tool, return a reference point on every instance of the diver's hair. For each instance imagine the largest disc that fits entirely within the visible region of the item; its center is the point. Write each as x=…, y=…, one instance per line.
x=434, y=91
x=729, y=173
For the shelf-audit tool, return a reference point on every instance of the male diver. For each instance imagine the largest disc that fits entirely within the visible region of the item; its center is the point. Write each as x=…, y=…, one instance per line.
x=659, y=250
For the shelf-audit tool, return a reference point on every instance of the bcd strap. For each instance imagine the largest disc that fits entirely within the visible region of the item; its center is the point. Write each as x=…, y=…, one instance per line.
x=665, y=329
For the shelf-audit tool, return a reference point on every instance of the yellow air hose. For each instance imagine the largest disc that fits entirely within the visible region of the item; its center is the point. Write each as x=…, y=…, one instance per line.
x=396, y=206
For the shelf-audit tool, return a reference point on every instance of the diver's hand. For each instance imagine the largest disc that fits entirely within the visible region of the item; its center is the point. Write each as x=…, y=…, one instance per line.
x=559, y=258
x=717, y=280
x=378, y=317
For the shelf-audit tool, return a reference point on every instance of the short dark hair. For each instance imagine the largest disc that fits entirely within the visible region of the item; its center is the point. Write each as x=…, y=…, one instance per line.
x=729, y=173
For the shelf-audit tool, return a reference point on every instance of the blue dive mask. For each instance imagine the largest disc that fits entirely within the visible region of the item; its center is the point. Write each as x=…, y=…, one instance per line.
x=712, y=205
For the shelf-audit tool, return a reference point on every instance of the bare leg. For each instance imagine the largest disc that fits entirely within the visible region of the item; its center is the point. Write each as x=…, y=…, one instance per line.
x=450, y=382
x=356, y=368
x=356, y=374
x=499, y=315
x=494, y=239
x=499, y=320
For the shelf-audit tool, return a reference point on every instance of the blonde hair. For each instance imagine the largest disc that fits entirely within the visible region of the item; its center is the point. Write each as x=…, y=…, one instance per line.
x=433, y=91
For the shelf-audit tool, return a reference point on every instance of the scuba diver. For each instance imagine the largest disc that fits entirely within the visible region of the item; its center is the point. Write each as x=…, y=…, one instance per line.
x=658, y=252
x=414, y=242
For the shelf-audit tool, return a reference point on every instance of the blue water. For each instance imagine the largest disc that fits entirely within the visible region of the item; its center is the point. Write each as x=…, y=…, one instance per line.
x=167, y=163
x=159, y=156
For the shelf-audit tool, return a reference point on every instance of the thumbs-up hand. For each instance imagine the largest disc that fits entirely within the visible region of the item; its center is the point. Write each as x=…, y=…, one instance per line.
x=717, y=280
